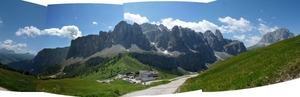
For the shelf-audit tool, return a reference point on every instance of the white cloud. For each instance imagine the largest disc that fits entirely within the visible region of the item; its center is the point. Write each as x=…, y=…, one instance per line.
x=252, y=40
x=261, y=10
x=17, y=47
x=260, y=20
x=156, y=23
x=273, y=17
x=70, y=31
x=201, y=26
x=109, y=27
x=239, y=37
x=234, y=25
x=8, y=44
x=263, y=29
x=135, y=18
x=95, y=23
x=29, y=31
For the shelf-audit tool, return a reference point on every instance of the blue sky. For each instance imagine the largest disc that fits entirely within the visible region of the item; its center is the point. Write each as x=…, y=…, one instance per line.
x=15, y=14
x=88, y=18
x=31, y=27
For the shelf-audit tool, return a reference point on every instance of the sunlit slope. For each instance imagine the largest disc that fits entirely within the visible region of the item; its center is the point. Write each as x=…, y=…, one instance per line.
x=268, y=65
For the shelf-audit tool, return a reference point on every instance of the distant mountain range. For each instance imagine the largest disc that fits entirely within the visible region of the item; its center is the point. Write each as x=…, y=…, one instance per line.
x=154, y=45
x=7, y=56
x=273, y=37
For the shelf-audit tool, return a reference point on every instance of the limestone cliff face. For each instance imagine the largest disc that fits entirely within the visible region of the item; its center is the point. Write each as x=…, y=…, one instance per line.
x=196, y=48
x=273, y=37
x=277, y=35
x=218, y=43
x=124, y=34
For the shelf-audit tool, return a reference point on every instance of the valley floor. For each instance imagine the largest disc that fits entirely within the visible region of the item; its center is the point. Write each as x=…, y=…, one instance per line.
x=169, y=88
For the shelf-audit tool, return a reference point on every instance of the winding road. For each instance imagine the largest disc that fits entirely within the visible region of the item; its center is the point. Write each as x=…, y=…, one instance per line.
x=169, y=88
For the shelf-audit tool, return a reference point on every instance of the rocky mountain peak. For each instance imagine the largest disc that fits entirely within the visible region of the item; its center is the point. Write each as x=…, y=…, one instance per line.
x=277, y=35
x=273, y=37
x=219, y=35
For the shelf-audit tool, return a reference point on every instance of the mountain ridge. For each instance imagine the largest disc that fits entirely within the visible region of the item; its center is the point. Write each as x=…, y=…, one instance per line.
x=8, y=56
x=182, y=45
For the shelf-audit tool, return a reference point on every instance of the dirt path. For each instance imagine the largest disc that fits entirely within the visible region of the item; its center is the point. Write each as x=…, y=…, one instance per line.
x=169, y=88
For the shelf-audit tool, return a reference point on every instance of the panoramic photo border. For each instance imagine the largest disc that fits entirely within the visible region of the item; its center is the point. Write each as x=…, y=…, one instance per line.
x=280, y=89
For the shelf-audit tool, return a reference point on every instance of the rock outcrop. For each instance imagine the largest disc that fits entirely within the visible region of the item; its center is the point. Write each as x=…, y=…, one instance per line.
x=273, y=37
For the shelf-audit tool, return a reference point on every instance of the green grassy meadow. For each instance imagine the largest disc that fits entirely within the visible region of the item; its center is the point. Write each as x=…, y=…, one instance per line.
x=268, y=65
x=85, y=85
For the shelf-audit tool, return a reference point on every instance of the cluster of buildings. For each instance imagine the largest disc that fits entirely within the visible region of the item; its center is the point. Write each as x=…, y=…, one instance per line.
x=139, y=77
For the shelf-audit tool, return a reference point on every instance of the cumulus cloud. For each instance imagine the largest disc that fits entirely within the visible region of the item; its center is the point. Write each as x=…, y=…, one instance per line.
x=135, y=18
x=263, y=29
x=252, y=40
x=239, y=37
x=70, y=31
x=109, y=27
x=234, y=25
x=200, y=26
x=95, y=23
x=8, y=44
x=17, y=47
x=30, y=31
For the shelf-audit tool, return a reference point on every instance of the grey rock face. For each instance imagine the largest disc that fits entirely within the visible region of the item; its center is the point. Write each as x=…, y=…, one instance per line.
x=213, y=41
x=218, y=43
x=235, y=48
x=84, y=46
x=188, y=41
x=275, y=36
x=124, y=34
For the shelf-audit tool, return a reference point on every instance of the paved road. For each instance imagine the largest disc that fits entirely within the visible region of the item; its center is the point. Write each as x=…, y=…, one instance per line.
x=3, y=89
x=169, y=88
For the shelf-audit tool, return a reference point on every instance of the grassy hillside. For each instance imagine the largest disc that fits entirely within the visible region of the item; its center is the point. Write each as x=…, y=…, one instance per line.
x=268, y=65
x=84, y=85
x=123, y=65
x=16, y=82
